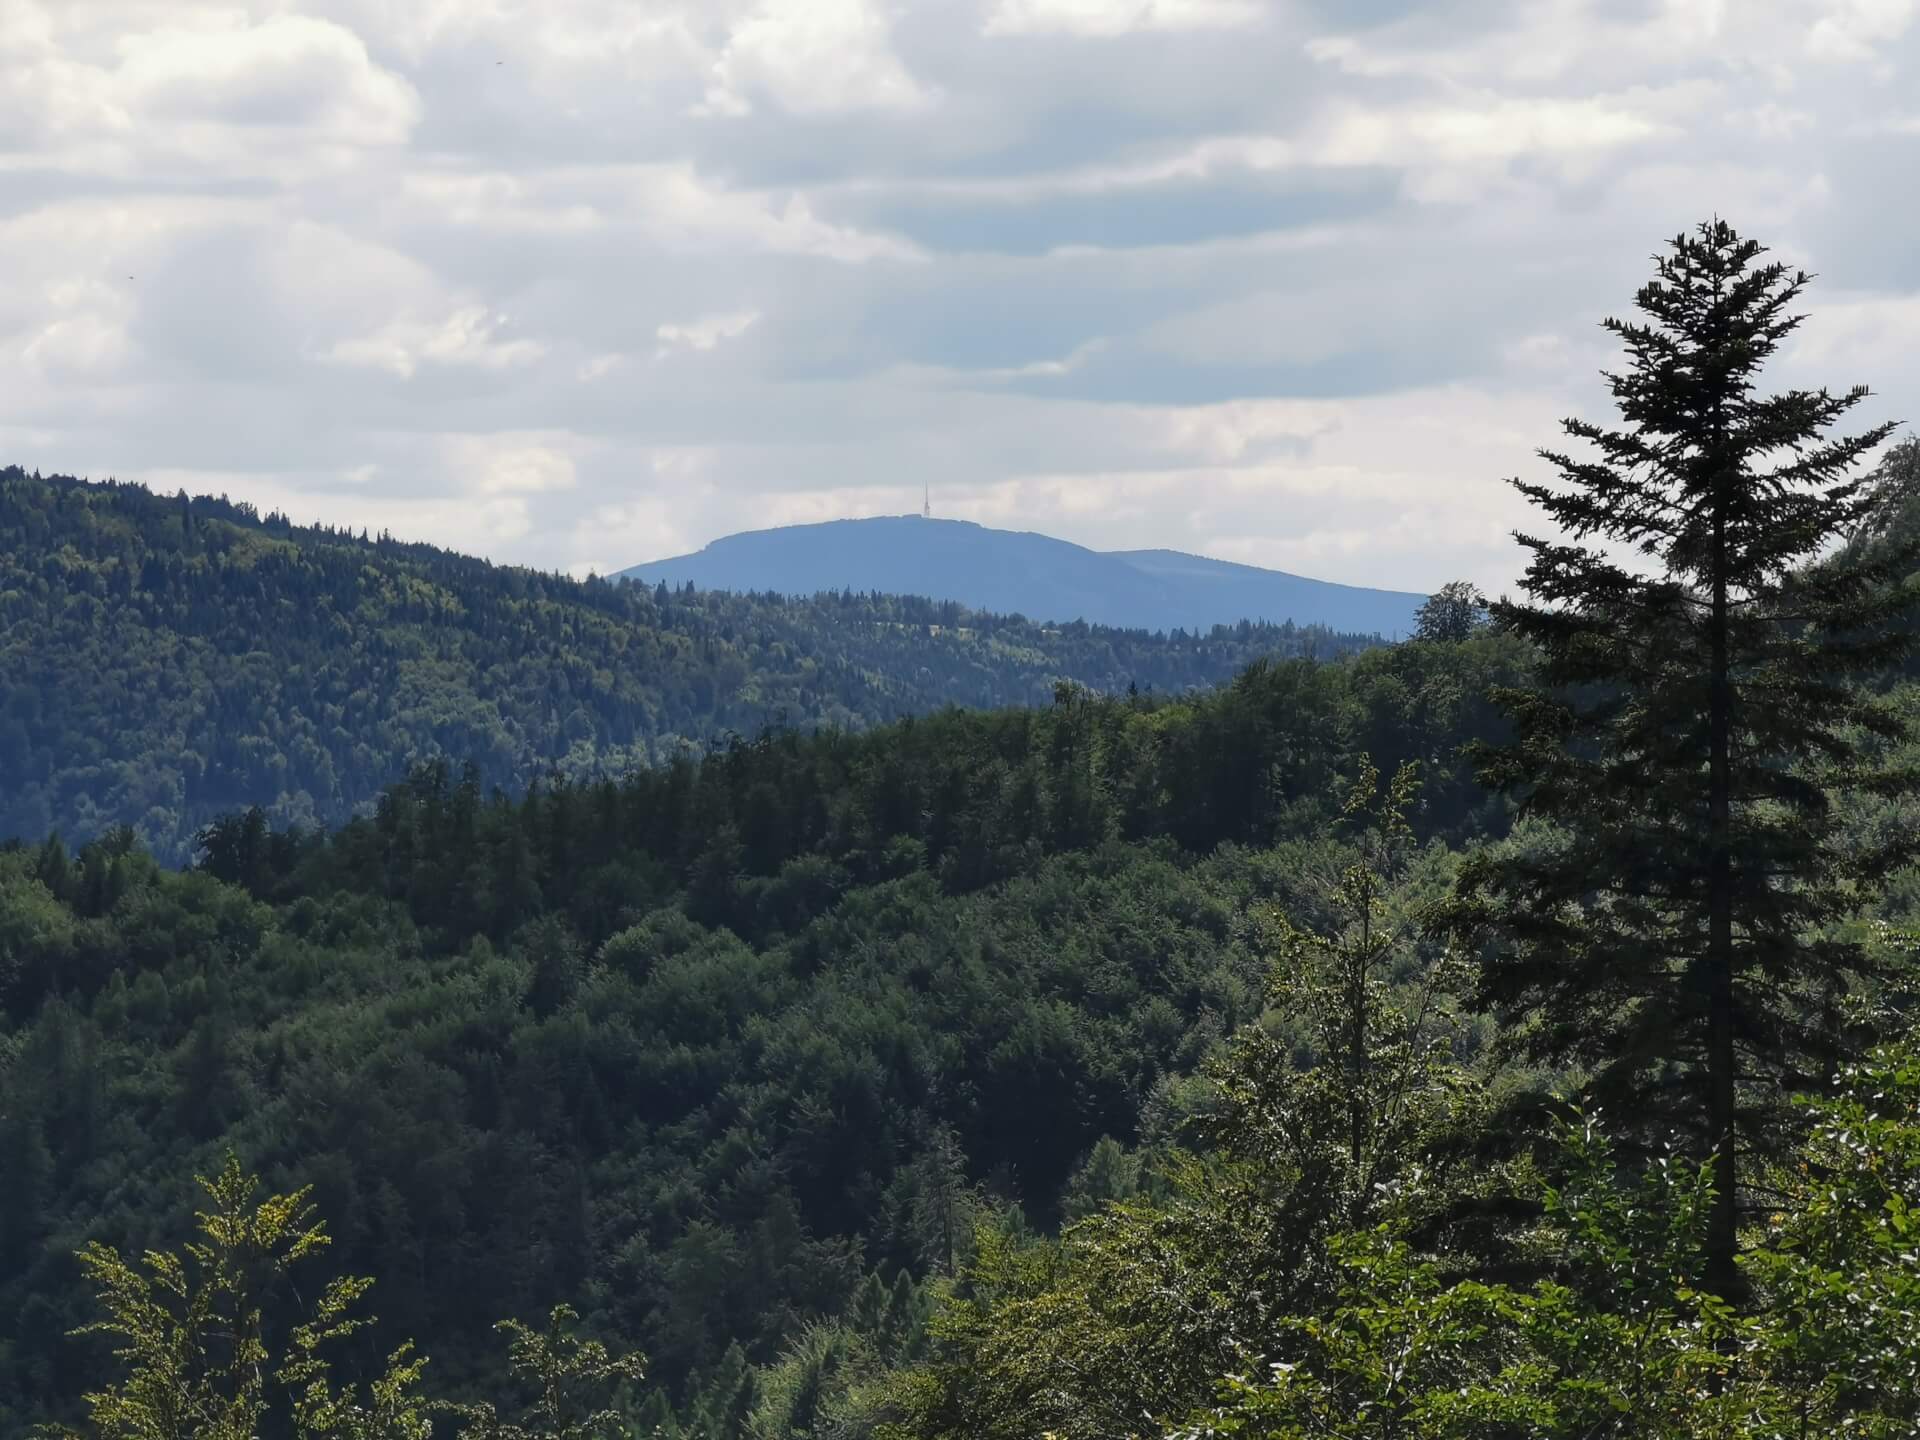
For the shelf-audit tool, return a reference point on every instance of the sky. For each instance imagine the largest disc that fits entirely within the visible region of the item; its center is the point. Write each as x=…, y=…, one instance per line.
x=583, y=283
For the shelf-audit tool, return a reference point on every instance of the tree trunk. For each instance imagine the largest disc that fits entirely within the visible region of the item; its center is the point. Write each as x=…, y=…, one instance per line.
x=1723, y=1275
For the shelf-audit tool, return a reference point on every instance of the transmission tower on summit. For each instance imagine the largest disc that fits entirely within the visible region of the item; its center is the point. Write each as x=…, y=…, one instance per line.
x=926, y=500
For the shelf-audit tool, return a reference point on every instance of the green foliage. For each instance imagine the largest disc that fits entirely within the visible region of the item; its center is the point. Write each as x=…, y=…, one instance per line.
x=851, y=984
x=193, y=1338
x=571, y=1379
x=710, y=1140
x=1626, y=1345
x=705, y=1048
x=1452, y=613
x=1109, y=1175
x=1313, y=1120
x=1890, y=530
x=1840, y=1262
x=833, y=1381
x=200, y=1363
x=1382, y=1065
x=1620, y=1336
x=1631, y=1341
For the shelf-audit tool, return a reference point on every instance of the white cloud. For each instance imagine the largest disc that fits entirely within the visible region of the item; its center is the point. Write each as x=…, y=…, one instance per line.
x=707, y=332
x=136, y=91
x=668, y=206
x=1240, y=430
x=505, y=518
x=1068, y=364
x=481, y=528
x=1106, y=18
x=494, y=201
x=417, y=29
x=1469, y=130
x=845, y=502
x=1871, y=335
x=678, y=210
x=80, y=332
x=506, y=485
x=1404, y=491
x=288, y=72
x=1494, y=128
x=509, y=465
x=811, y=57
x=633, y=531
x=469, y=336
x=1599, y=43
x=1857, y=30
x=80, y=347
x=46, y=94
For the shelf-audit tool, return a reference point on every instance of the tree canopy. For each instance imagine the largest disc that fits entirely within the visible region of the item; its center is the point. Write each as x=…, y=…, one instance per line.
x=166, y=660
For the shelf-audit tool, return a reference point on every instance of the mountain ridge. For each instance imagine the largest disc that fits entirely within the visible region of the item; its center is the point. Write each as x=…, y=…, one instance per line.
x=1027, y=573
x=166, y=660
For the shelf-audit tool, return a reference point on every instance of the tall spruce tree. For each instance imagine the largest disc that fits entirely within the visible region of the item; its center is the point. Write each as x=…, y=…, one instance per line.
x=1691, y=724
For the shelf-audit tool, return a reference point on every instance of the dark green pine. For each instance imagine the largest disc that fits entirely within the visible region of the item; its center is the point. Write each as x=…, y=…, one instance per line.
x=1670, y=932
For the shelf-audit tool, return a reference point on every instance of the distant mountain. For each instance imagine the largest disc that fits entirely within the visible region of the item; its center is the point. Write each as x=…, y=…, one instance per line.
x=1019, y=572
x=165, y=661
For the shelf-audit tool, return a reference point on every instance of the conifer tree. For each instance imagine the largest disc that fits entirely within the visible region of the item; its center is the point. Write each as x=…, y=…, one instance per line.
x=1690, y=726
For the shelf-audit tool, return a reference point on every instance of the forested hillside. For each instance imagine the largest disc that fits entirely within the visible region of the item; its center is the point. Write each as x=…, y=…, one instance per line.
x=165, y=660
x=713, y=1051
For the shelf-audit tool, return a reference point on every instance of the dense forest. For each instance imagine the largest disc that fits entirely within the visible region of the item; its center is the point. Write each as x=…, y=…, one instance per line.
x=1505, y=1035
x=165, y=660
x=705, y=1050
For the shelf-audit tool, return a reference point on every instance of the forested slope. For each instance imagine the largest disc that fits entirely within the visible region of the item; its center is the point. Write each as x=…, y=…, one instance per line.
x=714, y=1051
x=163, y=661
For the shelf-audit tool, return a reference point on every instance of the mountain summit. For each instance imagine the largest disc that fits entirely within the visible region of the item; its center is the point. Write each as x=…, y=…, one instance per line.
x=1019, y=572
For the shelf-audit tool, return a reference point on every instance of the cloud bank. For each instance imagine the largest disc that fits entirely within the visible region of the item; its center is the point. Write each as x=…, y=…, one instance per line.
x=581, y=283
